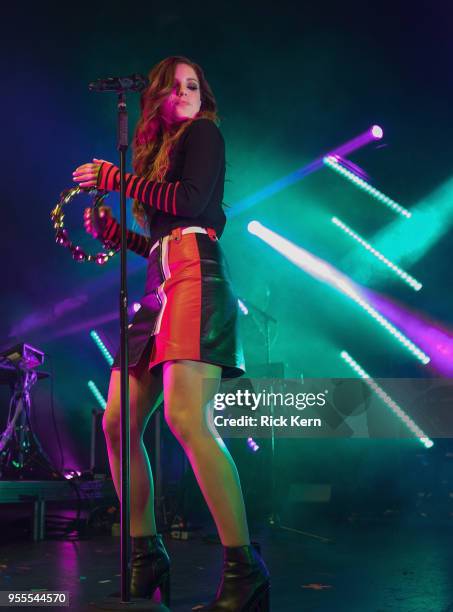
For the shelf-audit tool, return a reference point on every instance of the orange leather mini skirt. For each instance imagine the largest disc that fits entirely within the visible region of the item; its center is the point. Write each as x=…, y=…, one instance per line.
x=189, y=310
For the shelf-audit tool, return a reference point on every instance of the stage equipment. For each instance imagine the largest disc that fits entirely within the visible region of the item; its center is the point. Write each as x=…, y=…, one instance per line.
x=407, y=278
x=253, y=446
x=62, y=235
x=38, y=492
x=23, y=356
x=374, y=133
x=101, y=346
x=97, y=394
x=397, y=410
x=325, y=272
x=334, y=163
x=99, y=463
x=134, y=82
x=21, y=454
x=273, y=371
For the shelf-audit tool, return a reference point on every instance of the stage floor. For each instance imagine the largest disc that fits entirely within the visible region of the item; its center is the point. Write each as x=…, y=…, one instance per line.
x=363, y=567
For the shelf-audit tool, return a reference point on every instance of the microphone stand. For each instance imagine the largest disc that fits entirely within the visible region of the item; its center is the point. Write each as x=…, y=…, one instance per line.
x=124, y=358
x=112, y=603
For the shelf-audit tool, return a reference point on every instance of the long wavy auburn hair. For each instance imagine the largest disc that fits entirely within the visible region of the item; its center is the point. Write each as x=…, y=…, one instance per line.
x=153, y=138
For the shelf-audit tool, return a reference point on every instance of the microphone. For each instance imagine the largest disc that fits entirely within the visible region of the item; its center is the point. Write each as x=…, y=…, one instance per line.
x=134, y=82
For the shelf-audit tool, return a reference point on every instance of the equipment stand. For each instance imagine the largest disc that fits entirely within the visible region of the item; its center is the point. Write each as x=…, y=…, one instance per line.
x=265, y=320
x=112, y=603
x=21, y=453
x=274, y=518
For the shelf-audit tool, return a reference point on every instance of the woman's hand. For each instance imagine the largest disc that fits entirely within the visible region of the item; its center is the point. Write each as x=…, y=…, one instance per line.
x=87, y=174
x=97, y=221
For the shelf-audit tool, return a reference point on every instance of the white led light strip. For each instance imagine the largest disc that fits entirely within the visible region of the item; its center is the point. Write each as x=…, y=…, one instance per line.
x=332, y=162
x=407, y=278
x=397, y=410
x=423, y=357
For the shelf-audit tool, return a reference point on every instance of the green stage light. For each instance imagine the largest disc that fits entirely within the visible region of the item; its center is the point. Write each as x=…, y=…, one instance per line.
x=97, y=394
x=407, y=242
x=101, y=346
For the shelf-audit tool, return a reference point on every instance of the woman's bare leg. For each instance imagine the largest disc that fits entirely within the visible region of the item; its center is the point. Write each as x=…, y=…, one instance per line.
x=188, y=388
x=145, y=391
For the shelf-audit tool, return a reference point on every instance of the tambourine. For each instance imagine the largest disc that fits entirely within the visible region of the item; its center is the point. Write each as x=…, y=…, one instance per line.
x=61, y=233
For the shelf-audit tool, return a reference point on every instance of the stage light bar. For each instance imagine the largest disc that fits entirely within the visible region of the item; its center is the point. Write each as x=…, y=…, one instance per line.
x=253, y=446
x=97, y=394
x=323, y=271
x=70, y=474
x=243, y=307
x=407, y=278
x=375, y=132
x=333, y=162
x=101, y=346
x=413, y=348
x=396, y=409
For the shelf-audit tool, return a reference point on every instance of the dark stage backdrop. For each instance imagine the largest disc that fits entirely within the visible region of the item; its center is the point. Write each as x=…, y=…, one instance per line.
x=292, y=80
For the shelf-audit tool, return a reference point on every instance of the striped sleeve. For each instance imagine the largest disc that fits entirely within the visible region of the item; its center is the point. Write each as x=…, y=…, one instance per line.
x=204, y=158
x=135, y=242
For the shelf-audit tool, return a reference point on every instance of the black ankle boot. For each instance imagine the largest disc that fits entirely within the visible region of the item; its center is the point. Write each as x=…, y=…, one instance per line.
x=245, y=584
x=150, y=568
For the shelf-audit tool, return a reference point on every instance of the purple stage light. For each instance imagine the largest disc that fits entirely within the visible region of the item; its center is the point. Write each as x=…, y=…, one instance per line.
x=136, y=306
x=377, y=132
x=253, y=446
x=373, y=133
x=69, y=474
x=352, y=167
x=432, y=337
x=84, y=325
x=48, y=316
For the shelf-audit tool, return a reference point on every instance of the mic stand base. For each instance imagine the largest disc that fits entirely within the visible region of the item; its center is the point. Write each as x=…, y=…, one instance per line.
x=137, y=605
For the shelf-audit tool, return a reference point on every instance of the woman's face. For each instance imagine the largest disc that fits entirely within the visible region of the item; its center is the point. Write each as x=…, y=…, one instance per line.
x=184, y=101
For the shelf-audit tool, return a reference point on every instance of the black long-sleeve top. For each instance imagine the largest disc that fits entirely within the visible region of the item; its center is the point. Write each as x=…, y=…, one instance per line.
x=191, y=193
